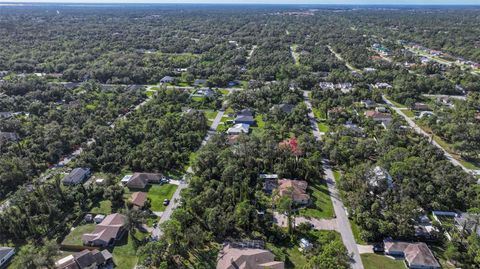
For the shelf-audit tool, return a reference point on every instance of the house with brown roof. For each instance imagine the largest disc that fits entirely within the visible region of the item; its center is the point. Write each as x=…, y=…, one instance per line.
x=85, y=259
x=138, y=199
x=247, y=258
x=295, y=189
x=417, y=255
x=106, y=232
x=141, y=180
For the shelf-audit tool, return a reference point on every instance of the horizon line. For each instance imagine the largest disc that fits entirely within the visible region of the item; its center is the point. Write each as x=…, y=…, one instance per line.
x=128, y=2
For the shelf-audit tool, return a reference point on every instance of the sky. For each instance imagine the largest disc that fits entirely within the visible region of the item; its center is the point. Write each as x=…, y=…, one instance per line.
x=351, y=2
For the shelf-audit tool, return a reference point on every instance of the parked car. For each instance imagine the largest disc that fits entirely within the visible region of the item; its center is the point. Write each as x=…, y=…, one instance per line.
x=166, y=202
x=378, y=247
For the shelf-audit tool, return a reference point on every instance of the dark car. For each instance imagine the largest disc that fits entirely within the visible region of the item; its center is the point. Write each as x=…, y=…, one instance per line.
x=166, y=202
x=378, y=248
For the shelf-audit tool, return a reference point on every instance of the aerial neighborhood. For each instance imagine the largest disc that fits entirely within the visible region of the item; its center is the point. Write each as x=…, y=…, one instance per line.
x=239, y=136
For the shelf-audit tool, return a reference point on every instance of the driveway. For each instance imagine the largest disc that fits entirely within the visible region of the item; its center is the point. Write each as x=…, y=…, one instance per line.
x=318, y=224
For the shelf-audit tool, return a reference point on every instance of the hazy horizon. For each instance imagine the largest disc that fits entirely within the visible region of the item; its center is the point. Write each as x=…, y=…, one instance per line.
x=311, y=2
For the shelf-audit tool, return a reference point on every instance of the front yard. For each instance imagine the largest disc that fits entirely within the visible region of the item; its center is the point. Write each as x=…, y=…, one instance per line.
x=321, y=206
x=376, y=261
x=158, y=193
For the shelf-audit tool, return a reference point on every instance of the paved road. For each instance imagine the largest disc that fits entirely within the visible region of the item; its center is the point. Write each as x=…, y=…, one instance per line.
x=340, y=58
x=420, y=131
x=343, y=224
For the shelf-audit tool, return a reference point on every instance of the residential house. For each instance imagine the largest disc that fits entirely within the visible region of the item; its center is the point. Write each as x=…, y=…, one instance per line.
x=420, y=107
x=383, y=85
x=141, y=180
x=77, y=176
x=6, y=253
x=106, y=232
x=206, y=92
x=167, y=79
x=326, y=85
x=199, y=82
x=245, y=112
x=369, y=69
x=345, y=87
x=248, y=258
x=3, y=73
x=417, y=255
x=381, y=109
x=85, y=259
x=445, y=100
x=285, y=108
x=239, y=129
x=368, y=103
x=233, y=83
x=270, y=182
x=295, y=189
x=378, y=178
x=138, y=199
x=384, y=118
x=242, y=119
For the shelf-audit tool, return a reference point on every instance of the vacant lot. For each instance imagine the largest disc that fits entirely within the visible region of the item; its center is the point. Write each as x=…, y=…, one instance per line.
x=321, y=206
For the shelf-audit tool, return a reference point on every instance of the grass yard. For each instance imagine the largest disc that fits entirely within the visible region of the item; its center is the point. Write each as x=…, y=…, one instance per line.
x=210, y=114
x=224, y=92
x=321, y=207
x=124, y=253
x=376, y=261
x=322, y=127
x=75, y=236
x=198, y=98
x=356, y=233
x=409, y=113
x=337, y=175
x=157, y=193
x=319, y=115
x=103, y=207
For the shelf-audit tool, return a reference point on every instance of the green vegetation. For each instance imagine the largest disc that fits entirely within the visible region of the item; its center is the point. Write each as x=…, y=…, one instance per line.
x=104, y=207
x=375, y=261
x=322, y=206
x=75, y=235
x=157, y=193
x=124, y=253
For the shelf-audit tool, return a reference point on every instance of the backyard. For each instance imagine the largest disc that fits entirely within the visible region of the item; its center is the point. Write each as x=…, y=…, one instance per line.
x=75, y=235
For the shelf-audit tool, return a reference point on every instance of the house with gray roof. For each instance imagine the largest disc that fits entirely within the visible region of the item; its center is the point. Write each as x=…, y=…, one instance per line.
x=6, y=253
x=77, y=176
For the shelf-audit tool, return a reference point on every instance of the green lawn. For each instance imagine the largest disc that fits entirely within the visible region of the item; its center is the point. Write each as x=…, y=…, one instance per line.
x=124, y=253
x=321, y=206
x=104, y=207
x=319, y=115
x=157, y=193
x=375, y=261
x=224, y=92
x=211, y=114
x=322, y=127
x=75, y=236
x=409, y=113
x=198, y=98
x=356, y=233
x=337, y=175
x=149, y=93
